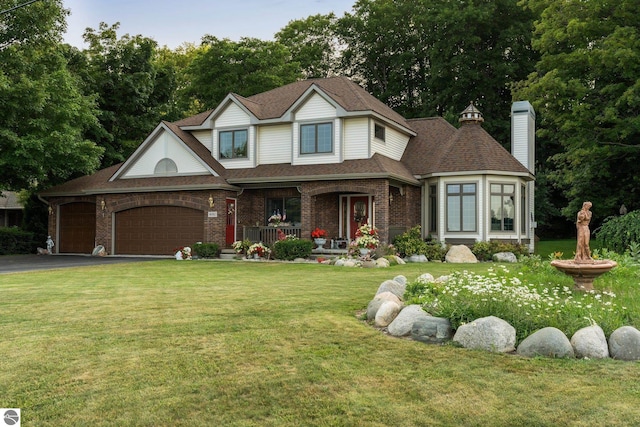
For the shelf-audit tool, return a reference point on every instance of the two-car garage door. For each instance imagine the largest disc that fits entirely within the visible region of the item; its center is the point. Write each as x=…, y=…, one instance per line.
x=157, y=230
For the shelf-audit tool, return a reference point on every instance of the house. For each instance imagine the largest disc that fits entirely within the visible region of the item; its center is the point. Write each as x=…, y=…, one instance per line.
x=318, y=153
x=11, y=210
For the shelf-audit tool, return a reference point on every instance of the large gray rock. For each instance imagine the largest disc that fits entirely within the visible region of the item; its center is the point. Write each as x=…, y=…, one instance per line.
x=386, y=313
x=401, y=279
x=426, y=278
x=505, y=257
x=549, y=342
x=460, y=254
x=624, y=343
x=374, y=305
x=487, y=333
x=403, y=323
x=416, y=258
x=393, y=287
x=382, y=263
x=591, y=343
x=432, y=330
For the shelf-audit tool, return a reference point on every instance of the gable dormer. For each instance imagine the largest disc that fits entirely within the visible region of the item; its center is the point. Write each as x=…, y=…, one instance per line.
x=163, y=154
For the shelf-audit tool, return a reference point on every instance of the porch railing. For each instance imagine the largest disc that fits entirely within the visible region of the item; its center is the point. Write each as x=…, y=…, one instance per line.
x=268, y=235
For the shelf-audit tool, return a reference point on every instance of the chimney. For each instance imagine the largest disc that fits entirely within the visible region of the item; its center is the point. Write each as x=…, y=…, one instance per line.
x=523, y=138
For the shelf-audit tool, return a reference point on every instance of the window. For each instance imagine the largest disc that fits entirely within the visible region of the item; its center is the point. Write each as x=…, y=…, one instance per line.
x=502, y=207
x=316, y=138
x=461, y=207
x=523, y=209
x=378, y=131
x=165, y=166
x=233, y=144
x=433, y=208
x=289, y=206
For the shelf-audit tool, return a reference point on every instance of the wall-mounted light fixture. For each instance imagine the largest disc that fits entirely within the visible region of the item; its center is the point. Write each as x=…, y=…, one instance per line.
x=390, y=198
x=211, y=202
x=50, y=210
x=103, y=205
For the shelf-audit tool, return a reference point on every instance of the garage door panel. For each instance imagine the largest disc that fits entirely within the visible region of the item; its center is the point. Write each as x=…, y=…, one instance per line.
x=157, y=230
x=77, y=227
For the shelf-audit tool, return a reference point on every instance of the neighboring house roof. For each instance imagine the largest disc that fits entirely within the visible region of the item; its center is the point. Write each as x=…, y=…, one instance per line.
x=9, y=201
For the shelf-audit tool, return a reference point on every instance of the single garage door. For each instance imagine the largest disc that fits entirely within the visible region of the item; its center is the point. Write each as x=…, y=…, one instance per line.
x=77, y=228
x=157, y=230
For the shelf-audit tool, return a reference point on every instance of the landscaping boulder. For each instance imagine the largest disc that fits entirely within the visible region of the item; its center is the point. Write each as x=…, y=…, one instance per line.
x=401, y=279
x=416, y=258
x=393, y=287
x=487, y=333
x=504, y=257
x=425, y=278
x=403, y=323
x=548, y=342
x=369, y=264
x=374, y=304
x=460, y=254
x=432, y=330
x=382, y=263
x=624, y=343
x=591, y=343
x=386, y=313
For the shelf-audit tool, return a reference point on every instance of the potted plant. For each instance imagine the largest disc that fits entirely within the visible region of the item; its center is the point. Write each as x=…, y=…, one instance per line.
x=366, y=239
x=319, y=237
x=241, y=246
x=258, y=250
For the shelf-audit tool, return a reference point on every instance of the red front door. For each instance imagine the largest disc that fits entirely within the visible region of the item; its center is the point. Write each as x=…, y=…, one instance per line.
x=358, y=213
x=231, y=222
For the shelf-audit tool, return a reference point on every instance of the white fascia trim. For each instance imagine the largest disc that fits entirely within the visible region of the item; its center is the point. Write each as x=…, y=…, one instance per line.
x=305, y=178
x=526, y=176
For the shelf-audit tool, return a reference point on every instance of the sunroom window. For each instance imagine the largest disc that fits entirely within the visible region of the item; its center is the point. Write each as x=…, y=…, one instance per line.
x=503, y=207
x=461, y=207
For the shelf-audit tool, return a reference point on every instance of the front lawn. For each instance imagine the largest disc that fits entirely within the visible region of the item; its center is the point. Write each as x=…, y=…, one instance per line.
x=269, y=344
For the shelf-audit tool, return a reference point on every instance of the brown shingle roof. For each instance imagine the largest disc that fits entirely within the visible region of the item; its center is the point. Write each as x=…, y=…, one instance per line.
x=9, y=200
x=349, y=95
x=376, y=167
x=439, y=148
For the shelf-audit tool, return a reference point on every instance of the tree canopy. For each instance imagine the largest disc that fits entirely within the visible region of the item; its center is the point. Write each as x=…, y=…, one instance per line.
x=586, y=91
x=44, y=114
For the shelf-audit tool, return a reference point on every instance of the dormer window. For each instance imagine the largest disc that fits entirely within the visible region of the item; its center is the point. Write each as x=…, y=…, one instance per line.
x=316, y=138
x=379, y=131
x=165, y=166
x=233, y=144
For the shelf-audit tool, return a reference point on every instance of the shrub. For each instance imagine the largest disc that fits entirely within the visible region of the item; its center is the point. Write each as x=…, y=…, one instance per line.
x=206, y=250
x=411, y=243
x=617, y=233
x=14, y=240
x=290, y=249
x=484, y=251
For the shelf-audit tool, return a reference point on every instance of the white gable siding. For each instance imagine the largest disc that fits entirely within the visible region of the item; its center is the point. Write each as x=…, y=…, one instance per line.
x=233, y=115
x=316, y=108
x=166, y=146
x=274, y=144
x=394, y=145
x=205, y=137
x=356, y=138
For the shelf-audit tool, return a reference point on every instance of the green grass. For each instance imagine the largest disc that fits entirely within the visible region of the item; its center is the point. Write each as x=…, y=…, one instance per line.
x=544, y=248
x=266, y=344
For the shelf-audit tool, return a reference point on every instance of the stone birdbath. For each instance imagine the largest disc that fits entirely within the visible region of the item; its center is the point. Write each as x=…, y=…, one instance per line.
x=584, y=269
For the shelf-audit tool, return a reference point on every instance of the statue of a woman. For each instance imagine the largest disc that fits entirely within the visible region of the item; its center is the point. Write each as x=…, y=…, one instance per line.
x=583, y=253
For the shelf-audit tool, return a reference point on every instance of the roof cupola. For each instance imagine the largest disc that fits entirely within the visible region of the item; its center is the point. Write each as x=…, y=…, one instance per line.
x=471, y=115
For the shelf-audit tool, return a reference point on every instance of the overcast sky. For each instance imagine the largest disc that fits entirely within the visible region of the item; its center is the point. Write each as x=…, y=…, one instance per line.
x=172, y=22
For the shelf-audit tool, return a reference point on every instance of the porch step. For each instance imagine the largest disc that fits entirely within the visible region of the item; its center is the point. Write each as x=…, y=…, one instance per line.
x=227, y=254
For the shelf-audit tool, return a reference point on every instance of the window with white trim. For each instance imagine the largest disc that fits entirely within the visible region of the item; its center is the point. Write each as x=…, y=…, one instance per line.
x=316, y=138
x=379, y=131
x=461, y=207
x=233, y=144
x=503, y=207
x=165, y=166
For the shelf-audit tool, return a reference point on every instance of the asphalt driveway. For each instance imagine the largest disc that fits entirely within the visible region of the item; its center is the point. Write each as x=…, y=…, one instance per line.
x=22, y=263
